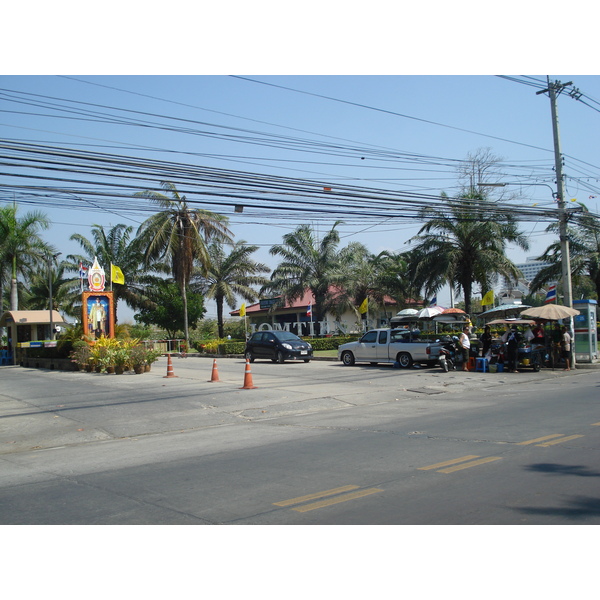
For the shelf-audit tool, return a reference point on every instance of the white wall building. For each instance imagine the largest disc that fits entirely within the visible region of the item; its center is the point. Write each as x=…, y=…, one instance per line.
x=531, y=268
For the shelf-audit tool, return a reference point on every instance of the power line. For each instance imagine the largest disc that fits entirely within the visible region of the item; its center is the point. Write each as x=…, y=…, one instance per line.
x=117, y=177
x=390, y=112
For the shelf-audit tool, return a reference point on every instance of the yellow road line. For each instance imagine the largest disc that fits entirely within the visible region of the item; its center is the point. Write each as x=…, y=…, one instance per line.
x=448, y=462
x=468, y=465
x=561, y=440
x=339, y=490
x=596, y=424
x=337, y=500
x=540, y=439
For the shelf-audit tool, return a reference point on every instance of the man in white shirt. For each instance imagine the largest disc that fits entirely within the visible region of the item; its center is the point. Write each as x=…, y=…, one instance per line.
x=465, y=344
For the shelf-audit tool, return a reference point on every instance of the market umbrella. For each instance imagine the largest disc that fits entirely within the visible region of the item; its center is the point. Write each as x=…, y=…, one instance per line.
x=550, y=312
x=511, y=322
x=407, y=312
x=503, y=309
x=430, y=311
x=451, y=315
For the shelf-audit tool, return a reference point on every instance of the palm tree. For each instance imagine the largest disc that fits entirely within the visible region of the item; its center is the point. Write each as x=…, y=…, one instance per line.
x=116, y=247
x=22, y=250
x=180, y=233
x=307, y=265
x=584, y=247
x=394, y=278
x=465, y=243
x=65, y=291
x=230, y=275
x=357, y=279
x=363, y=275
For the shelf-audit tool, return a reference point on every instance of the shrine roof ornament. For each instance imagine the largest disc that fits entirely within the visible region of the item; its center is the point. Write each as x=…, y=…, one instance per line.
x=96, y=277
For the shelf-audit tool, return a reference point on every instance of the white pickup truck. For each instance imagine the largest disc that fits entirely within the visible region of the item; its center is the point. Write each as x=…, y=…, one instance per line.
x=387, y=346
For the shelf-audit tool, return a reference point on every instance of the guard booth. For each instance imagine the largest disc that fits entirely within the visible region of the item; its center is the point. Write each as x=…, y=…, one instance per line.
x=27, y=329
x=586, y=331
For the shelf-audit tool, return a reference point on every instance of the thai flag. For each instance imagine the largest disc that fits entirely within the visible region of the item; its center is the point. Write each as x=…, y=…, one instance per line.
x=309, y=311
x=551, y=294
x=82, y=272
x=433, y=301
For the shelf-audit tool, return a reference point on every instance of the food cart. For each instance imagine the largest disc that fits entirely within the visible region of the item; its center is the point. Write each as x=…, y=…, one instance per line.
x=529, y=354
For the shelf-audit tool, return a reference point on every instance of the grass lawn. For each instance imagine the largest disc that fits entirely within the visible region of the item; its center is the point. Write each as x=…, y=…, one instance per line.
x=328, y=353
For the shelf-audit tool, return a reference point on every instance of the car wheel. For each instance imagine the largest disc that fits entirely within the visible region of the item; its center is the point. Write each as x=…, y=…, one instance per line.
x=249, y=356
x=404, y=360
x=307, y=360
x=280, y=358
x=348, y=358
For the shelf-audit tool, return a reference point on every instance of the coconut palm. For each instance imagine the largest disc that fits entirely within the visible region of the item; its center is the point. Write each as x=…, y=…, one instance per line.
x=114, y=246
x=308, y=265
x=464, y=243
x=66, y=296
x=394, y=277
x=231, y=275
x=22, y=250
x=584, y=250
x=180, y=234
x=356, y=280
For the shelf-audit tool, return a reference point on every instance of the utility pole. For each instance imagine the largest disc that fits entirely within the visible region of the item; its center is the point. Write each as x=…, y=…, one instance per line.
x=554, y=89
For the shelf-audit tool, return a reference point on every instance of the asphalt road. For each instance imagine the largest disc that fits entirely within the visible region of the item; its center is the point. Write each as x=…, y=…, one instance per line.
x=313, y=443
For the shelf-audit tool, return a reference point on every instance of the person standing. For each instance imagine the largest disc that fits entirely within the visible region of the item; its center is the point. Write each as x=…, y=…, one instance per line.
x=512, y=338
x=465, y=345
x=557, y=340
x=486, y=342
x=566, y=348
x=539, y=336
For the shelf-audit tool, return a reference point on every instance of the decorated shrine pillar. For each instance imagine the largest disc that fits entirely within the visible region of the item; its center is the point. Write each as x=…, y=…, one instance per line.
x=97, y=305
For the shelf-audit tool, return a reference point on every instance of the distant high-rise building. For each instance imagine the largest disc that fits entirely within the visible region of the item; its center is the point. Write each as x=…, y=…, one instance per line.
x=531, y=268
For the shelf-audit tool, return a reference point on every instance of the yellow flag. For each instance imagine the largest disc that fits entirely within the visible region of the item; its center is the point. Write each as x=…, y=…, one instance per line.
x=488, y=298
x=362, y=309
x=116, y=274
x=243, y=310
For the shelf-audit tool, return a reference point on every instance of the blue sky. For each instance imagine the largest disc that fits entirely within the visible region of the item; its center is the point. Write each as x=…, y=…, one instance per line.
x=407, y=108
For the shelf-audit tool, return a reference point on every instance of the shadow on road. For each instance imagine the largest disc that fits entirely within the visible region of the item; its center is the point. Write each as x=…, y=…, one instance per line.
x=563, y=469
x=578, y=507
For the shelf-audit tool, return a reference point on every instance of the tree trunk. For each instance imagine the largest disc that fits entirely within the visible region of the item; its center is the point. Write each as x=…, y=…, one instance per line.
x=14, y=295
x=2, y=329
x=185, y=316
x=219, y=301
x=115, y=302
x=467, y=287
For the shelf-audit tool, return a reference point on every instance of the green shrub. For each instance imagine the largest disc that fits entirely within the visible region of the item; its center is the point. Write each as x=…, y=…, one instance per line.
x=330, y=343
x=232, y=347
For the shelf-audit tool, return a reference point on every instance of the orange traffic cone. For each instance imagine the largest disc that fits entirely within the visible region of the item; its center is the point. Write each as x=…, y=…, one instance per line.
x=169, y=368
x=215, y=373
x=248, y=385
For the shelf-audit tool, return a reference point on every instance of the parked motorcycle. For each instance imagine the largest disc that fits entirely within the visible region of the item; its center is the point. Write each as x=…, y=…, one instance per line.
x=447, y=356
